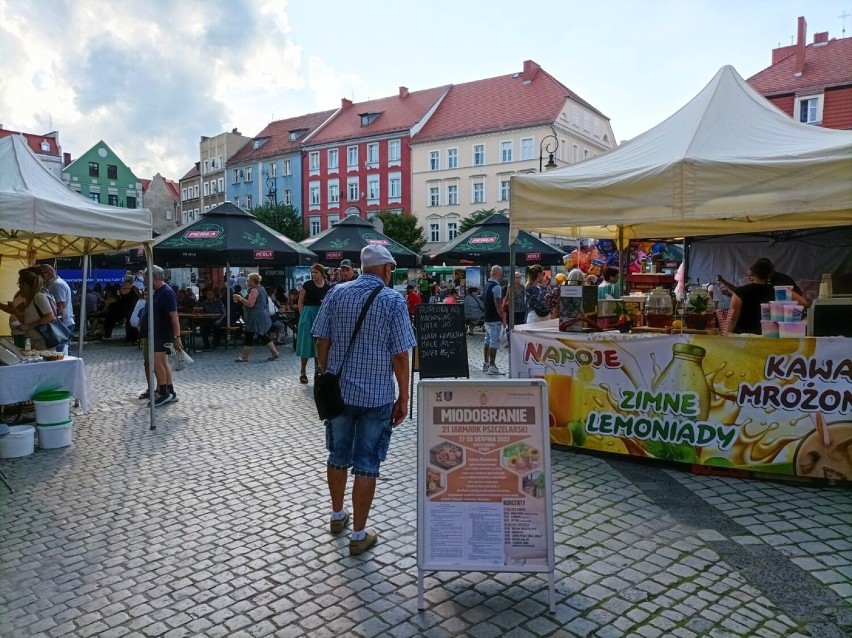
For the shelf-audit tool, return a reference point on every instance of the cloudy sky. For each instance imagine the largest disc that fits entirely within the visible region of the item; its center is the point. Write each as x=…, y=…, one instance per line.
x=150, y=77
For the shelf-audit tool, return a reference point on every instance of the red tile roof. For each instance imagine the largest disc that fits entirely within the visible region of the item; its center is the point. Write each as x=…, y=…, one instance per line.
x=826, y=65
x=146, y=184
x=34, y=141
x=174, y=188
x=519, y=100
x=397, y=113
x=278, y=137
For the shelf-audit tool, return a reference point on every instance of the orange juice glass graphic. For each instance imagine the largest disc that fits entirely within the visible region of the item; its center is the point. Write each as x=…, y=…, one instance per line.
x=565, y=397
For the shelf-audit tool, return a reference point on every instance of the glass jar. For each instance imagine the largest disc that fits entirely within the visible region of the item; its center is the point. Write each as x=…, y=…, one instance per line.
x=659, y=311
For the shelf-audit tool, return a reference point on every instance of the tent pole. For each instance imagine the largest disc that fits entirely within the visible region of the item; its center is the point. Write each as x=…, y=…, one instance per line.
x=621, y=258
x=149, y=342
x=83, y=287
x=228, y=298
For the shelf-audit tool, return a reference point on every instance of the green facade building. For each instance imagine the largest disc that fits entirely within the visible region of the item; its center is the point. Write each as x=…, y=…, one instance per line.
x=100, y=175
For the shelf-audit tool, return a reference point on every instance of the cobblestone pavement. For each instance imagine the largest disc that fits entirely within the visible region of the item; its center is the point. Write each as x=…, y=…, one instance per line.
x=215, y=525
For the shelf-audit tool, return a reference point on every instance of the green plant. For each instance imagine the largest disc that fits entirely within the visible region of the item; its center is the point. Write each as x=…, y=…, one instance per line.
x=699, y=304
x=626, y=313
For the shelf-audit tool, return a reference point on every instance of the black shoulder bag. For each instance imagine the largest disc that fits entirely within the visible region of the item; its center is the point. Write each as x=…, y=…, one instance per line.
x=327, y=385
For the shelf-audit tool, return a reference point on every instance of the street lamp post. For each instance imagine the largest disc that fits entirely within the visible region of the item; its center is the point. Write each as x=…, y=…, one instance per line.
x=272, y=185
x=549, y=144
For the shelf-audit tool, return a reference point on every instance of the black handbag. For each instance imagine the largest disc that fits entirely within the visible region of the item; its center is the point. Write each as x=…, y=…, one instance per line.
x=327, y=395
x=54, y=332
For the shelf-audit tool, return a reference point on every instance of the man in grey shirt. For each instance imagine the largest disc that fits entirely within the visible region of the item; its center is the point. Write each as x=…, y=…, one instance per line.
x=61, y=292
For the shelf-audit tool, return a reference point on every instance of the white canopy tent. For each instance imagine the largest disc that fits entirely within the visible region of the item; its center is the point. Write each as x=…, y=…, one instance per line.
x=41, y=218
x=727, y=162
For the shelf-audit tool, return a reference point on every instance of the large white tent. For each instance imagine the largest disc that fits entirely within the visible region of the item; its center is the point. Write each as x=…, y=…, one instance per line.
x=727, y=162
x=41, y=218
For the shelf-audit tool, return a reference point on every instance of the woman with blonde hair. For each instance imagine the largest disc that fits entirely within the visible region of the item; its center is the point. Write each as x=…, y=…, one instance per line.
x=310, y=298
x=31, y=307
x=256, y=318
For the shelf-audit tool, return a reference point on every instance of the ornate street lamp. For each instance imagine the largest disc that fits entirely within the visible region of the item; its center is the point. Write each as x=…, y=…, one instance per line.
x=272, y=193
x=549, y=144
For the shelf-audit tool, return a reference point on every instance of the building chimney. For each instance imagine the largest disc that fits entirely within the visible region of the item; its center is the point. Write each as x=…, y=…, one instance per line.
x=800, y=47
x=403, y=92
x=821, y=38
x=530, y=69
x=345, y=104
x=66, y=159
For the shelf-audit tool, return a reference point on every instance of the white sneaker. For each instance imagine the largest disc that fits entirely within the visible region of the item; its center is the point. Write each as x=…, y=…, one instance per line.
x=492, y=369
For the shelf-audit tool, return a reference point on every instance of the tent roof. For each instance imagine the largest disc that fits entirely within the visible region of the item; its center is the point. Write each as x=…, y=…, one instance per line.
x=41, y=218
x=727, y=162
x=347, y=237
x=229, y=234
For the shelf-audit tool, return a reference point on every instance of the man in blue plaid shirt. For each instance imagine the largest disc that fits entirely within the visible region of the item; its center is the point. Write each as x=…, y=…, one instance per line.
x=359, y=437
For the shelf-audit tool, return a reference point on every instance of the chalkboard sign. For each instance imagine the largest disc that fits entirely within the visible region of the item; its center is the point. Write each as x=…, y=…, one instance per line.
x=441, y=341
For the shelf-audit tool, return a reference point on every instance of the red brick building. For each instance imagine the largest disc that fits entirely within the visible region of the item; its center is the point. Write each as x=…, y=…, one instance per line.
x=359, y=162
x=812, y=83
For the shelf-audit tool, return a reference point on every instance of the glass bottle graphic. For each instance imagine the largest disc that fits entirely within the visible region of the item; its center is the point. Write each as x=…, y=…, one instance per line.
x=685, y=373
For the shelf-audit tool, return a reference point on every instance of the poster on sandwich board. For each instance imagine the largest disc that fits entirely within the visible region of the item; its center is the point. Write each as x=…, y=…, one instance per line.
x=483, y=477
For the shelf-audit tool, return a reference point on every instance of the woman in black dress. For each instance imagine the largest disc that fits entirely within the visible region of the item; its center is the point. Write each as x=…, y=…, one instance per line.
x=310, y=298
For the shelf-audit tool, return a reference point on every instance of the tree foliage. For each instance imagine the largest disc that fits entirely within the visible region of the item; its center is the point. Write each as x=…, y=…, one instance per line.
x=403, y=228
x=283, y=218
x=475, y=217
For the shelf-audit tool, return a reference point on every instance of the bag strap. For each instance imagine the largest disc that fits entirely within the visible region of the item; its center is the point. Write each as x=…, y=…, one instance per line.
x=358, y=323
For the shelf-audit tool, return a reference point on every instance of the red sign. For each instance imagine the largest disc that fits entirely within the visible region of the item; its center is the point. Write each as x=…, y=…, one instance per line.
x=264, y=254
x=202, y=234
x=333, y=254
x=533, y=256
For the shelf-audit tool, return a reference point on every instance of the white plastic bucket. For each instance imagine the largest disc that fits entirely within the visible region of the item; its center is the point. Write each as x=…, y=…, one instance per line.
x=52, y=408
x=53, y=436
x=19, y=442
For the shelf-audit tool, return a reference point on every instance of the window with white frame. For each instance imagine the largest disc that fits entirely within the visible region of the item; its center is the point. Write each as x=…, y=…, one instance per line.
x=286, y=167
x=247, y=174
x=205, y=166
x=394, y=185
x=372, y=154
x=273, y=169
x=452, y=195
x=504, y=190
x=248, y=202
x=452, y=158
x=236, y=201
x=585, y=153
x=287, y=197
x=353, y=191
x=393, y=151
x=575, y=116
x=183, y=196
x=478, y=192
x=434, y=160
x=351, y=157
x=206, y=189
x=576, y=153
x=313, y=161
x=332, y=220
x=195, y=191
x=434, y=196
x=452, y=230
x=373, y=190
x=527, y=150
x=434, y=232
x=315, y=225
x=235, y=176
x=333, y=159
x=479, y=154
x=220, y=162
x=587, y=122
x=333, y=191
x=808, y=109
x=221, y=182
x=314, y=194
x=506, y=151
x=597, y=127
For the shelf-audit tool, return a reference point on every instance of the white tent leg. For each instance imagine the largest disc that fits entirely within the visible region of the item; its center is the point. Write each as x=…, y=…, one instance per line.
x=149, y=290
x=83, y=287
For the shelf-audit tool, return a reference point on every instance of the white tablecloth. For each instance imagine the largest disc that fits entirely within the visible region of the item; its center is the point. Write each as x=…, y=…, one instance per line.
x=21, y=381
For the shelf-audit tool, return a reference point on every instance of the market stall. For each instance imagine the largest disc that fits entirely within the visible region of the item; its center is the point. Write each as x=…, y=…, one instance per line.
x=728, y=162
x=41, y=218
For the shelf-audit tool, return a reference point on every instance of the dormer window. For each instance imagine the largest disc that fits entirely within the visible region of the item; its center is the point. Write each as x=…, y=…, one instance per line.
x=45, y=146
x=297, y=133
x=368, y=118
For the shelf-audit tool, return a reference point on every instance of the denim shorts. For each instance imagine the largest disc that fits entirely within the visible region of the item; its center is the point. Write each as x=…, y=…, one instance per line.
x=492, y=333
x=359, y=438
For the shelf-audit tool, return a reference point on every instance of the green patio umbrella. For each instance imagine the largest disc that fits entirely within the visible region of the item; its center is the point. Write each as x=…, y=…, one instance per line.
x=488, y=243
x=345, y=240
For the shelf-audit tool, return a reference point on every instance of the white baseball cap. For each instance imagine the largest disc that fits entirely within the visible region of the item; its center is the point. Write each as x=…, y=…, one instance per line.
x=376, y=255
